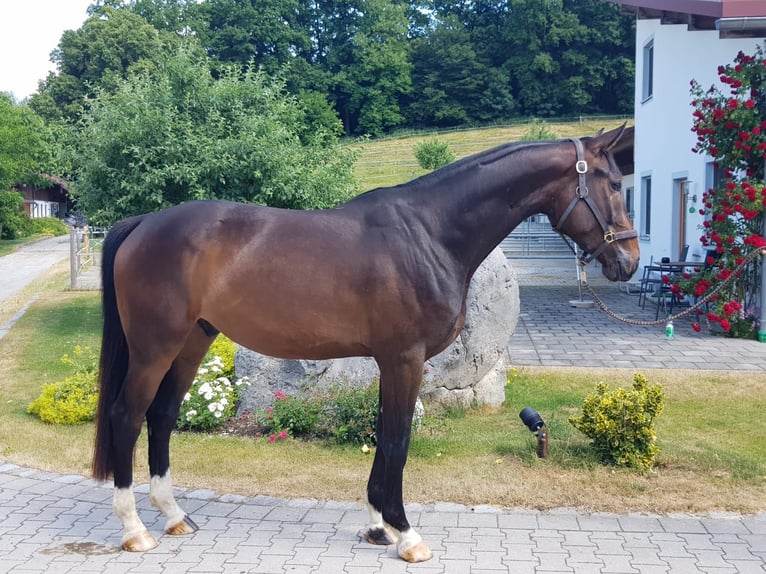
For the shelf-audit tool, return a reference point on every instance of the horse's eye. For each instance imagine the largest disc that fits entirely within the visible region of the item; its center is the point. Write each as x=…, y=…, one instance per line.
x=616, y=185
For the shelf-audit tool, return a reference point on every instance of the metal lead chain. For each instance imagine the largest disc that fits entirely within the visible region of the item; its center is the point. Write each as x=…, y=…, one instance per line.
x=683, y=313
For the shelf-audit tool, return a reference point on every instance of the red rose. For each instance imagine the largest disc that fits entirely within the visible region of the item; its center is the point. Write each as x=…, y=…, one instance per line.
x=696, y=327
x=725, y=325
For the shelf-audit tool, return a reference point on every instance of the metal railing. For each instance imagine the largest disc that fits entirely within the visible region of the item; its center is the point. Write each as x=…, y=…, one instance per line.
x=535, y=239
x=85, y=255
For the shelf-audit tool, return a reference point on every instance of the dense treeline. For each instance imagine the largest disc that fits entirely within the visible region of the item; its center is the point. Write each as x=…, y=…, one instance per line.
x=375, y=64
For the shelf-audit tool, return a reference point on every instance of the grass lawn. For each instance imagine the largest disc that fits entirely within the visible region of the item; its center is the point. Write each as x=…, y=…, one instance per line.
x=712, y=435
x=392, y=161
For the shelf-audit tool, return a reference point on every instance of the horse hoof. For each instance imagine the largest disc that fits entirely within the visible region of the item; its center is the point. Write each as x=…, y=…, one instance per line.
x=185, y=526
x=381, y=536
x=141, y=542
x=418, y=553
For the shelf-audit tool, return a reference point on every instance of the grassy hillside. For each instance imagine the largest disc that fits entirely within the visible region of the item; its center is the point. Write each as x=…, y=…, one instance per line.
x=391, y=161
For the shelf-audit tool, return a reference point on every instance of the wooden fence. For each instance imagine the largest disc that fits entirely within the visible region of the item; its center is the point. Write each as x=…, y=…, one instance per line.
x=85, y=257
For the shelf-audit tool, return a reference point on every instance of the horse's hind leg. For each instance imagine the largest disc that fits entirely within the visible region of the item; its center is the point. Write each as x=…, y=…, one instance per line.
x=127, y=416
x=161, y=420
x=400, y=378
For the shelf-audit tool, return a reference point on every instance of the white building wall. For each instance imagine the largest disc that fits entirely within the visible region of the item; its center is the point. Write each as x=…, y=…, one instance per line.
x=664, y=140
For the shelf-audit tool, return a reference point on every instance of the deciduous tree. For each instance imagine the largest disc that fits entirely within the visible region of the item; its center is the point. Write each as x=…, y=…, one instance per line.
x=175, y=134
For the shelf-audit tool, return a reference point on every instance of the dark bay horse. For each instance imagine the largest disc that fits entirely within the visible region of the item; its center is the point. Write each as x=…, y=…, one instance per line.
x=384, y=275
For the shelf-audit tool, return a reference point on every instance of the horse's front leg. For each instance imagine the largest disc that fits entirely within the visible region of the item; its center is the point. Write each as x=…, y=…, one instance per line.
x=400, y=377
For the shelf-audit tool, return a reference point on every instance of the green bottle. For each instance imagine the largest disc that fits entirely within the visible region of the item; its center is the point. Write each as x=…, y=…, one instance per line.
x=669, y=329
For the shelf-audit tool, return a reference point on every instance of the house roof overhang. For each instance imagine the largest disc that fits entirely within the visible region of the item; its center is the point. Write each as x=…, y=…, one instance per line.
x=732, y=18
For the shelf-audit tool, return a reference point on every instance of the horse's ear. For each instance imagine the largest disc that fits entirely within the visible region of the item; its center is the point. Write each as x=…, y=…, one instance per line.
x=606, y=141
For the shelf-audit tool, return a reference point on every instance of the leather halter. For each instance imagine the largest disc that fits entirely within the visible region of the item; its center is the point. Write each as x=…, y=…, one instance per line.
x=581, y=193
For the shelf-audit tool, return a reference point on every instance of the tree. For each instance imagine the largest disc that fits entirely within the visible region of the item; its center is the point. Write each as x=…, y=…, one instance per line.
x=23, y=144
x=169, y=15
x=451, y=85
x=731, y=127
x=556, y=57
x=174, y=134
x=112, y=43
x=239, y=31
x=380, y=73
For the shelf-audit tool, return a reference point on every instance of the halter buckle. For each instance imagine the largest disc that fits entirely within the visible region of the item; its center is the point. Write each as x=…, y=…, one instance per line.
x=581, y=166
x=610, y=237
x=582, y=191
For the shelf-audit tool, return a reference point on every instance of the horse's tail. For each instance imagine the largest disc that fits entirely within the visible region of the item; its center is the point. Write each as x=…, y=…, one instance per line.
x=113, y=364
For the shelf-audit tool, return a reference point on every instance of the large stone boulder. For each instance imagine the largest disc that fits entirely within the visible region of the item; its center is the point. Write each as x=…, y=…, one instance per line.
x=470, y=371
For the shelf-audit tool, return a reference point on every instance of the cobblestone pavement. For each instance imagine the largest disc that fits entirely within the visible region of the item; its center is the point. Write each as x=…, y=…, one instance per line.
x=54, y=523
x=553, y=332
x=57, y=523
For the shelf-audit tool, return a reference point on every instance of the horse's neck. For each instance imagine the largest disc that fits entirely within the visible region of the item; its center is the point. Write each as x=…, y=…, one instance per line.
x=481, y=209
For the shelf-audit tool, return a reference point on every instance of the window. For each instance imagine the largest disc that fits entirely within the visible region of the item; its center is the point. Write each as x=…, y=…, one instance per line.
x=629, y=202
x=646, y=206
x=647, y=88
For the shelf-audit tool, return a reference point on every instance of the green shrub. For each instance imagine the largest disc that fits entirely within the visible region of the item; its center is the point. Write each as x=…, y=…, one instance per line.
x=538, y=131
x=68, y=402
x=433, y=154
x=620, y=422
x=47, y=226
x=73, y=400
x=299, y=416
x=14, y=224
x=342, y=413
x=354, y=414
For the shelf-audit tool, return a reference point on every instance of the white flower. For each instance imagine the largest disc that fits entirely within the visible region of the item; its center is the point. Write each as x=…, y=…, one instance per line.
x=217, y=415
x=204, y=389
x=190, y=414
x=224, y=401
x=216, y=369
x=420, y=411
x=212, y=407
x=209, y=396
x=187, y=397
x=202, y=371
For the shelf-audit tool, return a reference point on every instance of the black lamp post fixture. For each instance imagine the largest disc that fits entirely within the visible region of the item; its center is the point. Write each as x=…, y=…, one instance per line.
x=536, y=424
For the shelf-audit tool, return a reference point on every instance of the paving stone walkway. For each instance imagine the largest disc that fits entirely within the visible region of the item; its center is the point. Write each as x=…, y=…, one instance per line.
x=54, y=523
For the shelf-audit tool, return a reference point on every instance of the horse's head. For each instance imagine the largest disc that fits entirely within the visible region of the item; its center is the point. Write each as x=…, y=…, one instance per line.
x=591, y=209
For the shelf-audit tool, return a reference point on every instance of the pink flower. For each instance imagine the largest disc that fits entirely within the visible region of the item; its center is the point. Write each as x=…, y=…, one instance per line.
x=283, y=434
x=272, y=438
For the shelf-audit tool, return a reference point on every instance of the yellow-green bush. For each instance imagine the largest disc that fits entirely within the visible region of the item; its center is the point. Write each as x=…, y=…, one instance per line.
x=619, y=422
x=48, y=226
x=68, y=402
x=73, y=400
x=223, y=347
